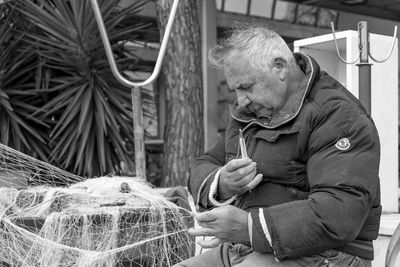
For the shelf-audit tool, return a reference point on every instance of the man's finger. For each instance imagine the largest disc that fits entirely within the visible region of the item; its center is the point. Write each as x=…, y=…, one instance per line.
x=253, y=183
x=211, y=243
x=235, y=164
x=243, y=181
x=240, y=173
x=207, y=216
x=201, y=232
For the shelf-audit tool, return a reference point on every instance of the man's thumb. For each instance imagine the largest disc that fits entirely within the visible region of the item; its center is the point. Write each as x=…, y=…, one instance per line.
x=256, y=180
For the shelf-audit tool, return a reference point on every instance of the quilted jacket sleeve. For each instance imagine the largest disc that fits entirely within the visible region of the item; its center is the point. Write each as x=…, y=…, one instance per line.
x=202, y=174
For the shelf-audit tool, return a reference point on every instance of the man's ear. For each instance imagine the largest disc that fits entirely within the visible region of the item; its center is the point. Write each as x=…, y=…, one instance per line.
x=281, y=67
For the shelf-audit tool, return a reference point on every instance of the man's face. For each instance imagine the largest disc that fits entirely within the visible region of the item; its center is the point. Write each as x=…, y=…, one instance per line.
x=263, y=92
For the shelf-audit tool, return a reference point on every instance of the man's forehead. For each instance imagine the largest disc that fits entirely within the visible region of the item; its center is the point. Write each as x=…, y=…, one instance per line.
x=237, y=81
x=238, y=70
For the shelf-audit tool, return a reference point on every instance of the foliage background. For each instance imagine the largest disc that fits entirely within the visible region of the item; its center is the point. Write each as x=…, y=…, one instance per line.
x=59, y=101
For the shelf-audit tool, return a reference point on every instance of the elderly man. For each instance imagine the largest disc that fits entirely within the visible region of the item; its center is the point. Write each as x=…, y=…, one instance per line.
x=294, y=180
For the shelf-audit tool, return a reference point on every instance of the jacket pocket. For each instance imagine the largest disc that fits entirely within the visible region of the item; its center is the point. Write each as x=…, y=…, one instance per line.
x=274, y=154
x=275, y=147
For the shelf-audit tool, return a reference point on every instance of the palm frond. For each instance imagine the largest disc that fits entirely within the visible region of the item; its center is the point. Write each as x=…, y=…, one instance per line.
x=16, y=65
x=64, y=93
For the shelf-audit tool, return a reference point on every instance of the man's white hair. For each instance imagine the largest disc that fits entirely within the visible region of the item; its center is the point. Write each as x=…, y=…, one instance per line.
x=256, y=43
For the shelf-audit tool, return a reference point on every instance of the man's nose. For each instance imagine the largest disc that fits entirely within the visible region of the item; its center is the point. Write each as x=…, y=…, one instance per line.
x=242, y=100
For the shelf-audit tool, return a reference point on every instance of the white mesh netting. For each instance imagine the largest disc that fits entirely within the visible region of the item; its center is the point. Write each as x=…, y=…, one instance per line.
x=106, y=221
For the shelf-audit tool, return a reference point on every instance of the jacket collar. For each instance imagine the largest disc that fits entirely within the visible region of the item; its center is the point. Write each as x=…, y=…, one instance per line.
x=292, y=106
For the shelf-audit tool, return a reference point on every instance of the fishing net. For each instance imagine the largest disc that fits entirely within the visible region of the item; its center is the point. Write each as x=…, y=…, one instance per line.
x=60, y=219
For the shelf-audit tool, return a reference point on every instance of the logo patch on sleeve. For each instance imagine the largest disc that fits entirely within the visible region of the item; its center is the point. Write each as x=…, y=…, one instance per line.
x=343, y=144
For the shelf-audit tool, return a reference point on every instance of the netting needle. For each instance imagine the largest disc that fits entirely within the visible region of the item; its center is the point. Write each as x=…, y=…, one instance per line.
x=242, y=143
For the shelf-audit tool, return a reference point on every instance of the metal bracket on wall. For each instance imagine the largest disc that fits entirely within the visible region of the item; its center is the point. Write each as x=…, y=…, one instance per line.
x=364, y=44
x=364, y=66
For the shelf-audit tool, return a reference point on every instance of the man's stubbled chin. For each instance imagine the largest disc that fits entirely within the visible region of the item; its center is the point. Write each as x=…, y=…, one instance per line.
x=260, y=111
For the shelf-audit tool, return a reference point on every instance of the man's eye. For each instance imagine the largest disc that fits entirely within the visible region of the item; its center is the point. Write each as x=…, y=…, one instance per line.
x=245, y=86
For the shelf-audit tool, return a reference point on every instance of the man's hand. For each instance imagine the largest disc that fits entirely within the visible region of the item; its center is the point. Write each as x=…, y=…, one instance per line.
x=237, y=176
x=226, y=224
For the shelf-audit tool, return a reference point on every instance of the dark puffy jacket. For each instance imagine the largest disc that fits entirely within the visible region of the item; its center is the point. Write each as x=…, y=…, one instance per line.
x=319, y=158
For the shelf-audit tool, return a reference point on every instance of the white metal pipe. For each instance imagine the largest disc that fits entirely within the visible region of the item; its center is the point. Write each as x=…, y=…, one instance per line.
x=110, y=55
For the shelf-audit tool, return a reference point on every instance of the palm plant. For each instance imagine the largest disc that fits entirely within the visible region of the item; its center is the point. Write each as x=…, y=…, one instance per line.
x=86, y=112
x=17, y=69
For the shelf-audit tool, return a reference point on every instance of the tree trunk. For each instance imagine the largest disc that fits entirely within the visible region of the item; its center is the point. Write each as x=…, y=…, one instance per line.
x=181, y=78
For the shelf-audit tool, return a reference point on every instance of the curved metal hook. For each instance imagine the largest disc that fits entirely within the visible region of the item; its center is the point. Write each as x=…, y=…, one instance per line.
x=110, y=54
x=391, y=49
x=393, y=248
x=337, y=48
